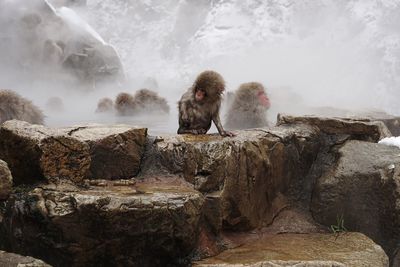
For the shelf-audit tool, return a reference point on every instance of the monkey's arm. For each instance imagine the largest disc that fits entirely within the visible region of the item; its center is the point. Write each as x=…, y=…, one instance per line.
x=217, y=122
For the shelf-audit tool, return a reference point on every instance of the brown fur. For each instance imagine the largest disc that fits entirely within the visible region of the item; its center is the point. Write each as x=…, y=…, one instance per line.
x=104, y=105
x=14, y=106
x=124, y=104
x=246, y=111
x=149, y=101
x=195, y=117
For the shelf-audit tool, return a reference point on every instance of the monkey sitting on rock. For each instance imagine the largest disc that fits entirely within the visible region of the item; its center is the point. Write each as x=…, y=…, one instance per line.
x=200, y=105
x=14, y=106
x=249, y=107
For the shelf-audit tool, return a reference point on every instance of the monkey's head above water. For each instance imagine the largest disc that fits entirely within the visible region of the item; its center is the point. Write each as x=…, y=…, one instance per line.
x=208, y=87
x=250, y=95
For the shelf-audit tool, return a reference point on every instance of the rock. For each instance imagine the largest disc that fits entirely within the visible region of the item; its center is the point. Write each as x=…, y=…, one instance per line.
x=34, y=153
x=15, y=260
x=360, y=129
x=37, y=153
x=347, y=249
x=149, y=224
x=247, y=178
x=361, y=188
x=115, y=151
x=5, y=181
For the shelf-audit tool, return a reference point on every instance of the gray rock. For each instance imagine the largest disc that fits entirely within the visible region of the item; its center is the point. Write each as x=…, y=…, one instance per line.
x=15, y=260
x=360, y=129
x=148, y=224
x=361, y=189
x=5, y=181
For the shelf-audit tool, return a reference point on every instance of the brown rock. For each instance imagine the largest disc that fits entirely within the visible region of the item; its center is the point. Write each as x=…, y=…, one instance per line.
x=347, y=249
x=5, y=181
x=149, y=224
x=361, y=129
x=247, y=177
x=362, y=188
x=34, y=152
x=15, y=260
x=115, y=151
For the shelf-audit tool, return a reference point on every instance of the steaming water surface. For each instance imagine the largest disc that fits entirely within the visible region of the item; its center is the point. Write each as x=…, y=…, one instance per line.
x=343, y=54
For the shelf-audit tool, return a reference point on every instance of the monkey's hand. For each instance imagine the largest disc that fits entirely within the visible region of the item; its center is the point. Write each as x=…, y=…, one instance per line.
x=198, y=131
x=227, y=133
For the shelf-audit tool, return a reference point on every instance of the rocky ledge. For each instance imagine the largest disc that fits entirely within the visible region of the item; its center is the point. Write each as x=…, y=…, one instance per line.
x=314, y=249
x=98, y=196
x=15, y=260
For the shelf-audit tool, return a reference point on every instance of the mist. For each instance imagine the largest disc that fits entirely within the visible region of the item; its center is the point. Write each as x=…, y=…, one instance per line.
x=342, y=54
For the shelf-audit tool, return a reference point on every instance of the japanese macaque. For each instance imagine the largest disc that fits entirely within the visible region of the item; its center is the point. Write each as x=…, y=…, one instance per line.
x=249, y=108
x=104, y=105
x=143, y=102
x=200, y=105
x=55, y=104
x=124, y=104
x=14, y=106
x=149, y=101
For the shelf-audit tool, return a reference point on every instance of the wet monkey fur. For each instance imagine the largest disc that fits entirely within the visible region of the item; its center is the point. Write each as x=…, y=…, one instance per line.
x=249, y=107
x=200, y=105
x=14, y=106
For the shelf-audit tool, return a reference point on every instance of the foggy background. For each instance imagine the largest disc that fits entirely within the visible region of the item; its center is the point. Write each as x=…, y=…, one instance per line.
x=330, y=53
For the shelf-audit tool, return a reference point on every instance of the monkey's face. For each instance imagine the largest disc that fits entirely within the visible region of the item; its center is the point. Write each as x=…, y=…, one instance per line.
x=199, y=95
x=263, y=99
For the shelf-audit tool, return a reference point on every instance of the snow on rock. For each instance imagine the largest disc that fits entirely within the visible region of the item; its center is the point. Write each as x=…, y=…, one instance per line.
x=391, y=141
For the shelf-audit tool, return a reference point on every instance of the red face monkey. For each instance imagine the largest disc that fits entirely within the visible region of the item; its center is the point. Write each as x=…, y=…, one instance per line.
x=249, y=108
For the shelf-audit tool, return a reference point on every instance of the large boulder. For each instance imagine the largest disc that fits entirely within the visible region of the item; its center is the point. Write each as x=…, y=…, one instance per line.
x=305, y=250
x=361, y=190
x=55, y=40
x=15, y=260
x=5, y=181
x=115, y=151
x=360, y=129
x=245, y=178
x=148, y=224
x=35, y=152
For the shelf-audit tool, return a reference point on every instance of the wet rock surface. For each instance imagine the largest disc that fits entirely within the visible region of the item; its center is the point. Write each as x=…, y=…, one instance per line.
x=349, y=249
x=115, y=151
x=5, y=181
x=15, y=260
x=357, y=128
x=146, y=224
x=198, y=196
x=245, y=178
x=36, y=153
x=362, y=187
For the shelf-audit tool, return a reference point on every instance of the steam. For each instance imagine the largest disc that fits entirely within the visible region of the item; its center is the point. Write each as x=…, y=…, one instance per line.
x=343, y=54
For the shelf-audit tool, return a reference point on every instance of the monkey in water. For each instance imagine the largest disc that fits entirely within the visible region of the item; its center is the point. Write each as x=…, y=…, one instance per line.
x=148, y=101
x=14, y=106
x=249, y=107
x=200, y=105
x=124, y=104
x=104, y=105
